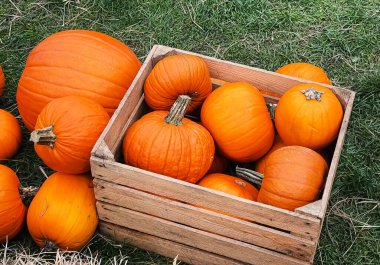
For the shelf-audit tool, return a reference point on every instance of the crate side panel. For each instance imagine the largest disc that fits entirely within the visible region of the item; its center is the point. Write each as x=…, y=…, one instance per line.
x=193, y=237
x=163, y=247
x=204, y=220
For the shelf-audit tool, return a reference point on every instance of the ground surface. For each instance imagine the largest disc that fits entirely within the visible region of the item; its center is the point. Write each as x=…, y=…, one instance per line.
x=341, y=36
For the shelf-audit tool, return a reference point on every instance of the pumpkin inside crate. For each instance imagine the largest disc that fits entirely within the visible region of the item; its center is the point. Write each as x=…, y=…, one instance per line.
x=128, y=211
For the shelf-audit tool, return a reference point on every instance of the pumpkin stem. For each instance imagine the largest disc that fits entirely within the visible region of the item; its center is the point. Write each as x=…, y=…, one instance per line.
x=178, y=110
x=27, y=194
x=249, y=175
x=44, y=136
x=311, y=93
x=272, y=109
x=50, y=246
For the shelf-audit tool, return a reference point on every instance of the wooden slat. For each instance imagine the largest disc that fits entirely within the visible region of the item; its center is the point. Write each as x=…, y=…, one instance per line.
x=336, y=156
x=163, y=247
x=262, y=79
x=203, y=219
x=312, y=209
x=192, y=237
x=136, y=178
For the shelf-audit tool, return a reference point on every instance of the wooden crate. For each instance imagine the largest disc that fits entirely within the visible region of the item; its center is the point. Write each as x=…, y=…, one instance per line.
x=130, y=212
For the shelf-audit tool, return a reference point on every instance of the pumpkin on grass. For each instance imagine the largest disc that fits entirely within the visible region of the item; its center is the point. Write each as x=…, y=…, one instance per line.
x=75, y=62
x=306, y=71
x=10, y=135
x=66, y=131
x=12, y=209
x=239, y=121
x=63, y=213
x=169, y=144
x=293, y=177
x=2, y=81
x=177, y=75
x=308, y=115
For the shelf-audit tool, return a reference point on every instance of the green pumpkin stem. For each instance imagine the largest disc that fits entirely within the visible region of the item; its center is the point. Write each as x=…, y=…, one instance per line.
x=311, y=93
x=44, y=136
x=27, y=194
x=50, y=246
x=249, y=175
x=178, y=110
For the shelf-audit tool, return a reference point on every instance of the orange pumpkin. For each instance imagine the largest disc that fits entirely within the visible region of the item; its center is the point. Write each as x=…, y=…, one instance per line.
x=306, y=71
x=308, y=115
x=239, y=121
x=63, y=213
x=75, y=62
x=66, y=132
x=10, y=135
x=219, y=164
x=2, y=81
x=177, y=75
x=168, y=144
x=230, y=185
x=293, y=177
x=261, y=163
x=12, y=209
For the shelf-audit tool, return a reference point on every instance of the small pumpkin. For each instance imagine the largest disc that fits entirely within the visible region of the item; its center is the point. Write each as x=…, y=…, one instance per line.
x=306, y=71
x=66, y=131
x=175, y=75
x=230, y=185
x=169, y=144
x=219, y=164
x=12, y=209
x=2, y=81
x=261, y=163
x=239, y=121
x=10, y=135
x=75, y=62
x=63, y=213
x=293, y=177
x=308, y=115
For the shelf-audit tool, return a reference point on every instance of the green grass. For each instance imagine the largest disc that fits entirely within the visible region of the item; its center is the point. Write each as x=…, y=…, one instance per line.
x=341, y=36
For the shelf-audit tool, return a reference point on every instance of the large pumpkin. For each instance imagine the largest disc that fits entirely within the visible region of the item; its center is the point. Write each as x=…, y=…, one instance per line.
x=75, y=62
x=309, y=115
x=66, y=131
x=63, y=213
x=12, y=209
x=293, y=177
x=219, y=164
x=239, y=121
x=230, y=185
x=306, y=71
x=2, y=81
x=10, y=135
x=168, y=144
x=177, y=75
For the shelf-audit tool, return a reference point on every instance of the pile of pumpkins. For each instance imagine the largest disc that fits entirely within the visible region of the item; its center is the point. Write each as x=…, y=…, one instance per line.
x=236, y=128
x=74, y=80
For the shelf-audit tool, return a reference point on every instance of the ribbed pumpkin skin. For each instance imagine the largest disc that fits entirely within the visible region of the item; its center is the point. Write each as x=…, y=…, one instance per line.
x=262, y=162
x=306, y=71
x=2, y=81
x=75, y=62
x=63, y=212
x=12, y=209
x=183, y=152
x=10, y=135
x=177, y=75
x=293, y=177
x=78, y=123
x=310, y=123
x=230, y=185
x=239, y=121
